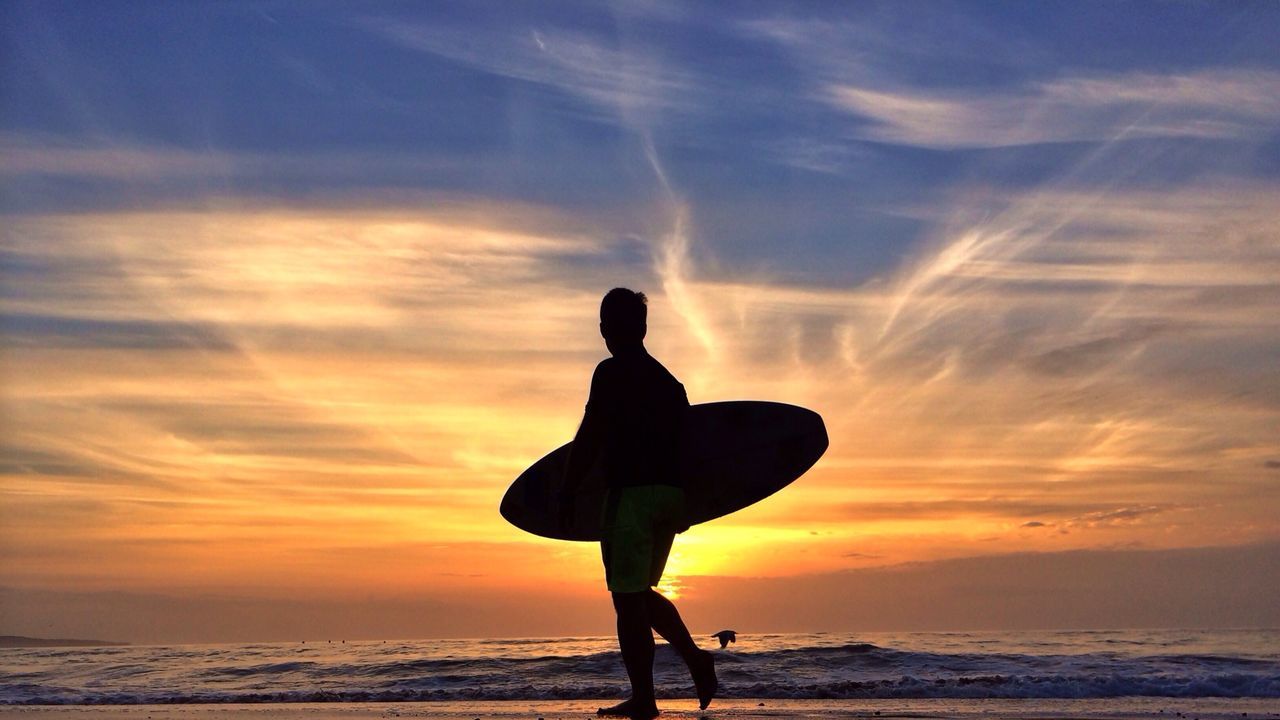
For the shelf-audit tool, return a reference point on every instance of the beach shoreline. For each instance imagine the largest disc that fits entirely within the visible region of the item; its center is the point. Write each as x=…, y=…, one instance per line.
x=1135, y=708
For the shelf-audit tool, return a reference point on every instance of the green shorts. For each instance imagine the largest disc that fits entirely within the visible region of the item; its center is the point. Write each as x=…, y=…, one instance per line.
x=638, y=527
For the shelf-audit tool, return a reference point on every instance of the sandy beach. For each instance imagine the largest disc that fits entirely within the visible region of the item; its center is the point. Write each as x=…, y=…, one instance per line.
x=1110, y=709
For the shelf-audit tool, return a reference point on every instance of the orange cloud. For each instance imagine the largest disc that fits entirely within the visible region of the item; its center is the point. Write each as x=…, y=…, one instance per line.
x=279, y=398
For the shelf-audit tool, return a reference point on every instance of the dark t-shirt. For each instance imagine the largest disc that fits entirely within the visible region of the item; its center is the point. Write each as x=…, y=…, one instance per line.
x=641, y=408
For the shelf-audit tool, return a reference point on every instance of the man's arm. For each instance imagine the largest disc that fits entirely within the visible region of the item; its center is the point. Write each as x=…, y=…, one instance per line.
x=586, y=446
x=588, y=442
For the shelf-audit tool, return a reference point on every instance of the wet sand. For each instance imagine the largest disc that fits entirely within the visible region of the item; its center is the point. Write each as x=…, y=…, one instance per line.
x=1022, y=709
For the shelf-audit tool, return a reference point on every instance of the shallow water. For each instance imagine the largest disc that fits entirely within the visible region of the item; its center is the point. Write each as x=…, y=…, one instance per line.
x=974, y=665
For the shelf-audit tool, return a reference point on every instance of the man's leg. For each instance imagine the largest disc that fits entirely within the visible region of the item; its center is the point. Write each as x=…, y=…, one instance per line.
x=635, y=639
x=627, y=548
x=664, y=618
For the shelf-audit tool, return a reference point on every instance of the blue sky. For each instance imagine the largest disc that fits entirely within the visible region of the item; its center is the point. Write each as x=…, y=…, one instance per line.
x=742, y=105
x=294, y=289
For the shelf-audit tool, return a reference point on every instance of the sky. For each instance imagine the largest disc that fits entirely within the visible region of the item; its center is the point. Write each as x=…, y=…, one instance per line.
x=290, y=292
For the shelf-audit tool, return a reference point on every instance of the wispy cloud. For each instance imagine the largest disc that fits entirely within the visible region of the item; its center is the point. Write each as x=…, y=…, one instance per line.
x=625, y=80
x=1207, y=104
x=48, y=156
x=170, y=357
x=36, y=154
x=1056, y=344
x=620, y=80
x=1003, y=89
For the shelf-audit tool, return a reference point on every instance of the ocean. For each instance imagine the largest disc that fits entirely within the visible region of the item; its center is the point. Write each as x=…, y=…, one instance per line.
x=1075, y=664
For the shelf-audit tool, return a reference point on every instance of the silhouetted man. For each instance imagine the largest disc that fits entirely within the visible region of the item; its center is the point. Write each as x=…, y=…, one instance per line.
x=635, y=416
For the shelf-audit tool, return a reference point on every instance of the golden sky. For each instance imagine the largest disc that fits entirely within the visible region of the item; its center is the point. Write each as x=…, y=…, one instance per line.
x=263, y=400
x=285, y=308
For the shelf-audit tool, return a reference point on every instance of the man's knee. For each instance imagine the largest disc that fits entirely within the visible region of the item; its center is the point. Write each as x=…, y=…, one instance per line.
x=654, y=600
x=629, y=602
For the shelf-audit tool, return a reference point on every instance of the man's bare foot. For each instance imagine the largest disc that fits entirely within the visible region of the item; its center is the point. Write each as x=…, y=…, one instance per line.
x=703, y=669
x=631, y=708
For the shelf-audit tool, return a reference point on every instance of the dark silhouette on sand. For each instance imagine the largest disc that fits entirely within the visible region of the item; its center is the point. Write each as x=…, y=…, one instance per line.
x=635, y=415
x=725, y=637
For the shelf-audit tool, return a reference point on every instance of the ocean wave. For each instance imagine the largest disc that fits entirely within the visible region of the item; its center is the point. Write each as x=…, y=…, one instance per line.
x=779, y=667
x=905, y=687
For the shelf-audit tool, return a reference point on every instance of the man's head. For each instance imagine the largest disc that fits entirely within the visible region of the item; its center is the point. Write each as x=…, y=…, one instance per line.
x=623, y=318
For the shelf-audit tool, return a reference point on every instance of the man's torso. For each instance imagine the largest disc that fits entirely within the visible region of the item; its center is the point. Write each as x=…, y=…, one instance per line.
x=642, y=409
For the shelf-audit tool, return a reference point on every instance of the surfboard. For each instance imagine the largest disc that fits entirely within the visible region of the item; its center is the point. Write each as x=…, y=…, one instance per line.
x=736, y=454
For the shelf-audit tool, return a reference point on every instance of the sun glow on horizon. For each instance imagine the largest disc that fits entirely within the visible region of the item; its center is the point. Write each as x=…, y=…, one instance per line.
x=366, y=393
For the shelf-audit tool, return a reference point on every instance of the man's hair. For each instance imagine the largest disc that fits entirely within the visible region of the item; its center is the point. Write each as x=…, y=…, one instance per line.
x=624, y=312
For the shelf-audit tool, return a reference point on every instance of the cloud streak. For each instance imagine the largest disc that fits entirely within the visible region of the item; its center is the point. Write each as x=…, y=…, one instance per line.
x=614, y=79
x=1209, y=104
